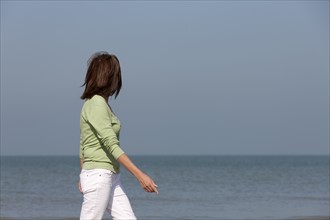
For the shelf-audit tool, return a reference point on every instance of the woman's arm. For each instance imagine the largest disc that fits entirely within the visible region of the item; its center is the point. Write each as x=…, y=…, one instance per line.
x=146, y=182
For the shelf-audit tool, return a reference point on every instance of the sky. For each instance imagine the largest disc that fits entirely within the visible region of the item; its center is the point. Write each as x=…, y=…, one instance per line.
x=199, y=77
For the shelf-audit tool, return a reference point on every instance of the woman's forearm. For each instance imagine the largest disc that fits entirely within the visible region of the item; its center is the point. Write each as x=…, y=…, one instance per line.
x=129, y=165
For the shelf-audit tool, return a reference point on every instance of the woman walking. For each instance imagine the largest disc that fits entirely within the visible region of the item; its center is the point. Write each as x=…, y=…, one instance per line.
x=100, y=152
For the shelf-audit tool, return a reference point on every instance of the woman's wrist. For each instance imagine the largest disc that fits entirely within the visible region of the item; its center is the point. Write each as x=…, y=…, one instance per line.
x=138, y=174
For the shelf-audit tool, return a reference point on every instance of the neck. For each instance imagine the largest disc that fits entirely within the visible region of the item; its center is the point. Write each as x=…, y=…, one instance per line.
x=106, y=98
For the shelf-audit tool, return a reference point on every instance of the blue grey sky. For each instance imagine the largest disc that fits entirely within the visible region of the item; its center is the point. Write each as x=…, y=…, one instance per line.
x=199, y=77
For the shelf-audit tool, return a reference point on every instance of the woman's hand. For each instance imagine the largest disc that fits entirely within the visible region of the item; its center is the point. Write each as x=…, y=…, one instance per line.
x=147, y=183
x=81, y=164
x=79, y=187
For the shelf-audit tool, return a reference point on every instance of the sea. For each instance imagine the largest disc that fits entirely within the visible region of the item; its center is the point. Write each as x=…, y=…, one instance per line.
x=190, y=187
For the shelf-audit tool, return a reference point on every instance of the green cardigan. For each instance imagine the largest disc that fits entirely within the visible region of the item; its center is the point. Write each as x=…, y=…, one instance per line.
x=99, y=135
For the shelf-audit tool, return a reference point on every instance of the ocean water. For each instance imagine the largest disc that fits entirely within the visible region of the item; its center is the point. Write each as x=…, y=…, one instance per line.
x=191, y=187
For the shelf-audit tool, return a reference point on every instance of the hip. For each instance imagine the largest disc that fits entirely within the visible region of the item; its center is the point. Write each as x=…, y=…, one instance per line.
x=95, y=178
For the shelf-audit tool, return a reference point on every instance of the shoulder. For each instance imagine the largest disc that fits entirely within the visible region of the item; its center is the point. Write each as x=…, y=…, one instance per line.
x=96, y=103
x=97, y=100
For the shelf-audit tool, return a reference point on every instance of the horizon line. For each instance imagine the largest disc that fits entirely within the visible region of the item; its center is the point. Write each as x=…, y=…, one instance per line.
x=165, y=155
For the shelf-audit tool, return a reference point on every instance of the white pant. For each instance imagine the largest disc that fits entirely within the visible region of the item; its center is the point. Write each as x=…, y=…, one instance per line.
x=102, y=191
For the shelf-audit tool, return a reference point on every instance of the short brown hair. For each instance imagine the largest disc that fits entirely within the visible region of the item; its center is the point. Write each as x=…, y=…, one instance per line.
x=103, y=76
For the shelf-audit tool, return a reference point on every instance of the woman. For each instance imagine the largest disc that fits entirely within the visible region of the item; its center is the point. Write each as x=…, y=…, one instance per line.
x=100, y=153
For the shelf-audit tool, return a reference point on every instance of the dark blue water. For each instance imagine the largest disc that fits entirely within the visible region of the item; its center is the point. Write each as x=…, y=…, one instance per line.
x=191, y=187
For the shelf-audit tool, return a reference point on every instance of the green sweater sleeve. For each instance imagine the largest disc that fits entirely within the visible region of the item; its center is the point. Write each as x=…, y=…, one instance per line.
x=99, y=119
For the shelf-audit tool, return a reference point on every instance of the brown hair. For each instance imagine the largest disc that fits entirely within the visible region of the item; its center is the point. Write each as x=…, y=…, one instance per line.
x=103, y=76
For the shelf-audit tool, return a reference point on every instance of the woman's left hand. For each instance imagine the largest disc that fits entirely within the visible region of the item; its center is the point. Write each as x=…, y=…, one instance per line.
x=147, y=183
x=79, y=187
